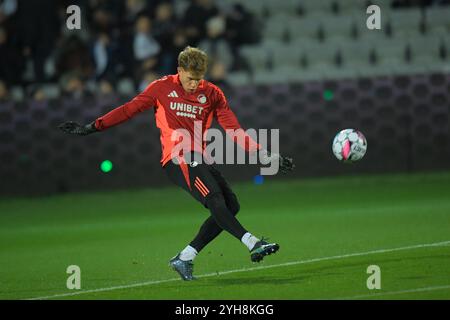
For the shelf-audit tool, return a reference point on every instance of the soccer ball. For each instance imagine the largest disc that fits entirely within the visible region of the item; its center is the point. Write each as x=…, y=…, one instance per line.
x=349, y=145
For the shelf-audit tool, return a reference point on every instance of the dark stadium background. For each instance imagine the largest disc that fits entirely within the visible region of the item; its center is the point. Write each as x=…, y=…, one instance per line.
x=398, y=98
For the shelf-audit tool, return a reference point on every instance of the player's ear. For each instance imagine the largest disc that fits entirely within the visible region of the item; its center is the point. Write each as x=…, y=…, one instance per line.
x=180, y=69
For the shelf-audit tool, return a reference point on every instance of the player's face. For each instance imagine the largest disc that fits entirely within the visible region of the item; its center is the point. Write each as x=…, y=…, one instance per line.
x=188, y=80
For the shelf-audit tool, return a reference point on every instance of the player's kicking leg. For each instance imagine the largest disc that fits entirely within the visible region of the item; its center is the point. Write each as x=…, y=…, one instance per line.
x=208, y=186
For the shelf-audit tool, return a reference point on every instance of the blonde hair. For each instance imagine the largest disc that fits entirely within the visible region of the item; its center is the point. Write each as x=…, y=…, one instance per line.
x=193, y=60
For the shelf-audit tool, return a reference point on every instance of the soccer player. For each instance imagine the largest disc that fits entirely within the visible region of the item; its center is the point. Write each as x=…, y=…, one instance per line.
x=179, y=101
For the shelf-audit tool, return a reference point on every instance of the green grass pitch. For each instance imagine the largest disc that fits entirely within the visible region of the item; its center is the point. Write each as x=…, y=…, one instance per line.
x=329, y=229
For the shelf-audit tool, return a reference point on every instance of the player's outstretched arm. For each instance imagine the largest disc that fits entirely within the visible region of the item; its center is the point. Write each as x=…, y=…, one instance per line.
x=143, y=101
x=286, y=164
x=72, y=127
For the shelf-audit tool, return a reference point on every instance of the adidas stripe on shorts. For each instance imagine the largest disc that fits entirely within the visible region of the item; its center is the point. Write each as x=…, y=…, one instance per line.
x=201, y=180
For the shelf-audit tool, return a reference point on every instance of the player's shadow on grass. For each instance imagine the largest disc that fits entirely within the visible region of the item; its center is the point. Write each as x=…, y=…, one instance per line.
x=268, y=280
x=304, y=272
x=363, y=264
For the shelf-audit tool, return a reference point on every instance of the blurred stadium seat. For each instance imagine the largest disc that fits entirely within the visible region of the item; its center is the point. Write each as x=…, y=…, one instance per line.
x=287, y=56
x=256, y=56
x=340, y=27
x=357, y=54
x=349, y=6
x=391, y=56
x=276, y=28
x=239, y=78
x=438, y=20
x=311, y=7
x=405, y=22
x=304, y=29
x=425, y=50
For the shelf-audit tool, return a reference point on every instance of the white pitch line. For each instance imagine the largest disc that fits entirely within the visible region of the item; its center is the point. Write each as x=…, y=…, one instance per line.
x=389, y=293
x=141, y=284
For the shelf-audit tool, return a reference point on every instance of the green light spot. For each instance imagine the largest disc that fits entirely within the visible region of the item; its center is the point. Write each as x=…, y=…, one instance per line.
x=106, y=166
x=24, y=159
x=328, y=95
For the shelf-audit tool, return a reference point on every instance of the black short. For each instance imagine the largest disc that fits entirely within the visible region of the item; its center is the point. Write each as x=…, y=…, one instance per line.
x=201, y=180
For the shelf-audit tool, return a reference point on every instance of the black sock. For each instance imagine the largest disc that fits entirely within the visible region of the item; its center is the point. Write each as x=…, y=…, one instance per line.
x=221, y=219
x=207, y=233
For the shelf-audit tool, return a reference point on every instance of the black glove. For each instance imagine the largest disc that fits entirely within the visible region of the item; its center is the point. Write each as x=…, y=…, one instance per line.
x=71, y=127
x=286, y=163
